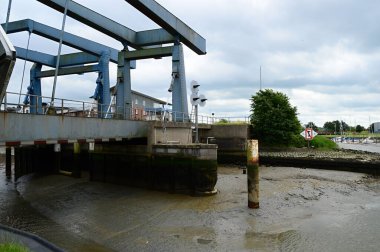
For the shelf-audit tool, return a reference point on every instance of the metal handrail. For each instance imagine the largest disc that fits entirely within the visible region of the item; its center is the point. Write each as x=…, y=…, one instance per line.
x=76, y=108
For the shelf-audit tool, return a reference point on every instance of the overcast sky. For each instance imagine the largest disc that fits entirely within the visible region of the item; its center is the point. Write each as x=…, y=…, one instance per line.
x=323, y=54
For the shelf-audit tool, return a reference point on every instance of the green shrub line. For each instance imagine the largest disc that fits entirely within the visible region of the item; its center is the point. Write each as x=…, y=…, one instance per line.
x=297, y=141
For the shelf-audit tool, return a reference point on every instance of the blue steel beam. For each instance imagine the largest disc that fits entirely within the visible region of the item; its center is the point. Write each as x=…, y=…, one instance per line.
x=93, y=19
x=154, y=37
x=69, y=70
x=72, y=59
x=34, y=56
x=68, y=38
x=110, y=27
x=147, y=53
x=170, y=23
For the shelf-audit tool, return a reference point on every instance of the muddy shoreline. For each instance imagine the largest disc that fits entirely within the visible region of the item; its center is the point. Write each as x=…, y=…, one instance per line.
x=339, y=160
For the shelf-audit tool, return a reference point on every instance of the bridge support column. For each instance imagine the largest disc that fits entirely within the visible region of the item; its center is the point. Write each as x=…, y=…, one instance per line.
x=57, y=158
x=76, y=166
x=8, y=162
x=105, y=79
x=179, y=94
x=17, y=170
x=34, y=90
x=124, y=89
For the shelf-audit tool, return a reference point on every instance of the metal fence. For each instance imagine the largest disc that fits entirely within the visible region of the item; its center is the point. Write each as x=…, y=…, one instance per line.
x=65, y=107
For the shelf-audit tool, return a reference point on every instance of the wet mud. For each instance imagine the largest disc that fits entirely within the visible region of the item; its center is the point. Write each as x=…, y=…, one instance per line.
x=300, y=210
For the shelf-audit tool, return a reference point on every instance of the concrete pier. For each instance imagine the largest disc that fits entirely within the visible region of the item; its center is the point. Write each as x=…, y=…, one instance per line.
x=175, y=168
x=191, y=167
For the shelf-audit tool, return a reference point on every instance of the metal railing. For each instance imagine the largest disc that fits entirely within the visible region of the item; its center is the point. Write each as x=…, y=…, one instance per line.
x=66, y=107
x=205, y=119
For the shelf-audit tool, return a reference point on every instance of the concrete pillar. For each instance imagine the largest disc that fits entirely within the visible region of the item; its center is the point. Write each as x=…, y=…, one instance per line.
x=179, y=93
x=17, y=170
x=76, y=166
x=23, y=161
x=57, y=158
x=253, y=173
x=8, y=162
x=29, y=167
x=91, y=149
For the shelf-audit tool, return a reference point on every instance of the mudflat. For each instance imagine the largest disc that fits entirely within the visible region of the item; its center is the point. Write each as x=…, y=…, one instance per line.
x=300, y=210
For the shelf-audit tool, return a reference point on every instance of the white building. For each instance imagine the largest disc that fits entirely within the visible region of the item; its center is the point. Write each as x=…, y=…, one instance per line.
x=376, y=127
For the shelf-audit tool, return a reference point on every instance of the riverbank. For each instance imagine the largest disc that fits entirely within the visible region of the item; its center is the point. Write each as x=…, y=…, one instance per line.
x=340, y=159
x=300, y=209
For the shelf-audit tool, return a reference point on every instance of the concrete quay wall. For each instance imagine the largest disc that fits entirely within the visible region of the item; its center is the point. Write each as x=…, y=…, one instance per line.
x=27, y=128
x=190, y=169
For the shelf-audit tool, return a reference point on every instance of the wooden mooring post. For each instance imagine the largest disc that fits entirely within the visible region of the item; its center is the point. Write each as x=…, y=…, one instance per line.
x=253, y=173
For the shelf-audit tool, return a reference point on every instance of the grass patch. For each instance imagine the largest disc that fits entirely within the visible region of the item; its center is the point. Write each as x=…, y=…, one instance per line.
x=322, y=142
x=13, y=247
x=231, y=123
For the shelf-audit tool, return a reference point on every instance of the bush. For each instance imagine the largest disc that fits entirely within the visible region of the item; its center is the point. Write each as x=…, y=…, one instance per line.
x=322, y=142
x=297, y=141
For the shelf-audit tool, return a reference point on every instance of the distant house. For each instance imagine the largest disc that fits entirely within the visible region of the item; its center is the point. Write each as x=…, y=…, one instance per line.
x=142, y=104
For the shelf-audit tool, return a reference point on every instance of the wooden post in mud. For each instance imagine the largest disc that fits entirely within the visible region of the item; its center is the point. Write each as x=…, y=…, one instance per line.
x=8, y=162
x=253, y=173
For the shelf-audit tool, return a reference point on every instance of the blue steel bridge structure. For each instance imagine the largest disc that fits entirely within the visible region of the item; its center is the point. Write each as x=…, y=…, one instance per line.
x=39, y=125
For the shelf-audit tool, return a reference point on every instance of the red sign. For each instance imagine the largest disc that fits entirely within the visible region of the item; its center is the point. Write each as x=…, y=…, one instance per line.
x=309, y=134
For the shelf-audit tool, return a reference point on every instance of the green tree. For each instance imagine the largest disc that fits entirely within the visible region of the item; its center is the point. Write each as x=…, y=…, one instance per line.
x=330, y=127
x=273, y=118
x=336, y=126
x=359, y=128
x=312, y=125
x=345, y=126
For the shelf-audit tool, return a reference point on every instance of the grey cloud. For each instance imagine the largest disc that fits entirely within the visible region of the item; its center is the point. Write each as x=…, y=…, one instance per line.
x=298, y=43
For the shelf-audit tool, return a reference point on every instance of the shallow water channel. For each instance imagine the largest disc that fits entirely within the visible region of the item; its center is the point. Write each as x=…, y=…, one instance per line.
x=371, y=147
x=300, y=210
